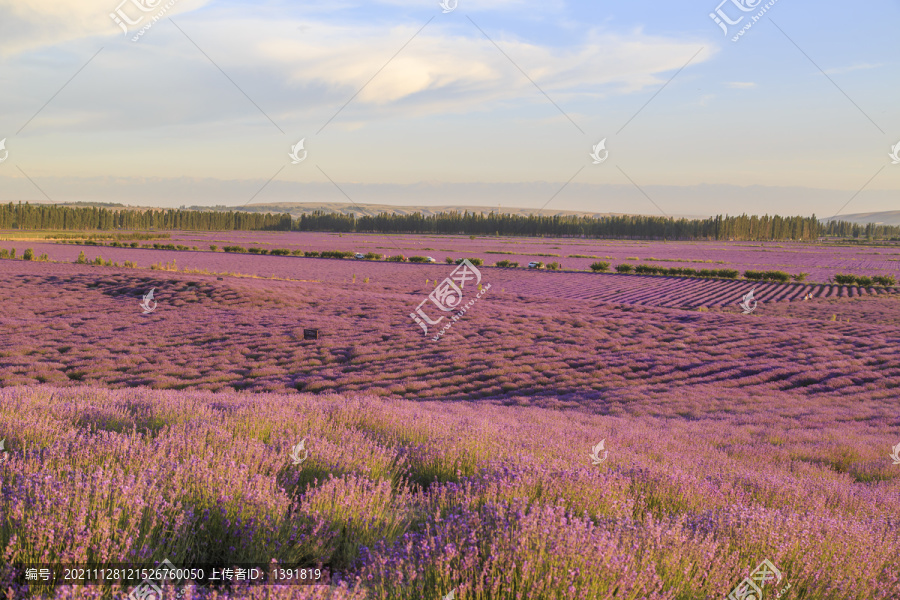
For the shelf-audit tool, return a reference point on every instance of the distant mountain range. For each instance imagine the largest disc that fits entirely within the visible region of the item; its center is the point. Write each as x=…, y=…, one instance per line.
x=887, y=217
x=703, y=200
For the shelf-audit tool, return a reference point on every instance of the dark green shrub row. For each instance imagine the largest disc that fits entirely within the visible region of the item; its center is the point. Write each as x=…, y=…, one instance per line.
x=600, y=266
x=418, y=259
x=686, y=271
x=475, y=261
x=336, y=254
x=122, y=244
x=118, y=244
x=373, y=256
x=863, y=281
x=673, y=271
x=28, y=255
x=779, y=276
x=554, y=266
x=397, y=258
x=506, y=264
x=275, y=251
x=77, y=238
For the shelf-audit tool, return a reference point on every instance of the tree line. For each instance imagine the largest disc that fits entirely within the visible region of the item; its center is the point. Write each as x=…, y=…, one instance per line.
x=742, y=227
x=869, y=231
x=49, y=216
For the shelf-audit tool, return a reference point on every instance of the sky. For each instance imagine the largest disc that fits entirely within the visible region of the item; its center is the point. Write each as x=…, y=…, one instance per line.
x=493, y=103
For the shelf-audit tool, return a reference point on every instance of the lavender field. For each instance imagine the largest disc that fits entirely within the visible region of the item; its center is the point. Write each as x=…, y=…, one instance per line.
x=415, y=499
x=459, y=465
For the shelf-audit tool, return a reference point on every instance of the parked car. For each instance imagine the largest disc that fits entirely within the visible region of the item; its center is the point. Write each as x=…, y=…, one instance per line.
x=535, y=265
x=359, y=256
x=429, y=259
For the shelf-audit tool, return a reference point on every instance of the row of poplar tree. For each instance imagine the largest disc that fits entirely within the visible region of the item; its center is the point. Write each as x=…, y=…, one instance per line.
x=743, y=227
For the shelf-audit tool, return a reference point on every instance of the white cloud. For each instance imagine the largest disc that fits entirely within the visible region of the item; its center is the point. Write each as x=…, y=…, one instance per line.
x=441, y=71
x=299, y=67
x=741, y=85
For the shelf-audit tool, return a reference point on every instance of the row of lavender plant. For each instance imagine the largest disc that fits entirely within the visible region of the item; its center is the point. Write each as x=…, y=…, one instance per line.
x=624, y=268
